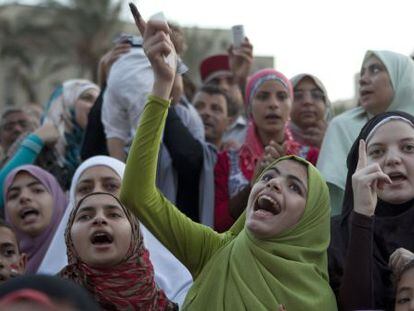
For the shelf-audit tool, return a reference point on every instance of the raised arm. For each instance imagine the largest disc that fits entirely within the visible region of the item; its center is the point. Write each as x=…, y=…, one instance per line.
x=192, y=243
x=357, y=285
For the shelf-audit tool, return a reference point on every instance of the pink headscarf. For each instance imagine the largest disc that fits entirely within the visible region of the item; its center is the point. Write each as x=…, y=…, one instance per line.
x=253, y=149
x=261, y=76
x=36, y=247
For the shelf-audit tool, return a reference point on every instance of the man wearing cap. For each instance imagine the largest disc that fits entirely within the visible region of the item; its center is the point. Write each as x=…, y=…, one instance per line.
x=230, y=72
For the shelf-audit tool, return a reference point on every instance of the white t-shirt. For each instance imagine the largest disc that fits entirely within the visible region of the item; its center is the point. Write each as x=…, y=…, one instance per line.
x=130, y=81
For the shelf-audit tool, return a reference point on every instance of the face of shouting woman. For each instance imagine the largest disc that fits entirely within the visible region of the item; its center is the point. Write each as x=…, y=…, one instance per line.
x=101, y=232
x=277, y=201
x=29, y=204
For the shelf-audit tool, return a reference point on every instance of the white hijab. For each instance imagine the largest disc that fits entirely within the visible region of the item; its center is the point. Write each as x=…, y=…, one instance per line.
x=344, y=129
x=170, y=273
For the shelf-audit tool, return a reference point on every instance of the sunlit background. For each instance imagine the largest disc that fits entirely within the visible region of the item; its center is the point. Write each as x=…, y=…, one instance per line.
x=325, y=38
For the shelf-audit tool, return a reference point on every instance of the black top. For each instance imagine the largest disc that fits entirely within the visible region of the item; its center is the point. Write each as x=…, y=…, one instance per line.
x=361, y=246
x=187, y=158
x=94, y=141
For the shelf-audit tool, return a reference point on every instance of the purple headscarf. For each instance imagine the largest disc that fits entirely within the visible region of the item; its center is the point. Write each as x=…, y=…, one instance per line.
x=36, y=247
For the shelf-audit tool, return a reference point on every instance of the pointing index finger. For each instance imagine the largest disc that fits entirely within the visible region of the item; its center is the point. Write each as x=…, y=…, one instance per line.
x=138, y=19
x=362, y=154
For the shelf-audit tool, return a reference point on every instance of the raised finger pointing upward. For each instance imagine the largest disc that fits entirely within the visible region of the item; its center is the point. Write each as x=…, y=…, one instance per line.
x=362, y=155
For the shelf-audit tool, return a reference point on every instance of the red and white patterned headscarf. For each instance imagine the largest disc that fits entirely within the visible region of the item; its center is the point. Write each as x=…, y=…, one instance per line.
x=129, y=285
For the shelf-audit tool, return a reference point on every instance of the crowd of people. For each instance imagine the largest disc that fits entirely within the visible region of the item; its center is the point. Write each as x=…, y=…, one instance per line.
x=145, y=192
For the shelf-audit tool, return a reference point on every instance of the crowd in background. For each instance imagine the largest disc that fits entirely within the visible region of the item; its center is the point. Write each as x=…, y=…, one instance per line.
x=143, y=191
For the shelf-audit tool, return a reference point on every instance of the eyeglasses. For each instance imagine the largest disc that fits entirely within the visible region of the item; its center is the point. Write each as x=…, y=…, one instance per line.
x=315, y=94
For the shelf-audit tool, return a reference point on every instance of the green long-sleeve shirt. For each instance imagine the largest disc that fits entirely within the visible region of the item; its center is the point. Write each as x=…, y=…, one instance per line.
x=230, y=271
x=192, y=243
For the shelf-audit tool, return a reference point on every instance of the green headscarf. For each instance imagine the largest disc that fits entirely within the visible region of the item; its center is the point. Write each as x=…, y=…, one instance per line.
x=345, y=128
x=290, y=269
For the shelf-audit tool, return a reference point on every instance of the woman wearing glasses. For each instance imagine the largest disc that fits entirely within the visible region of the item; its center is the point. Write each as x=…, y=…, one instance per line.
x=311, y=110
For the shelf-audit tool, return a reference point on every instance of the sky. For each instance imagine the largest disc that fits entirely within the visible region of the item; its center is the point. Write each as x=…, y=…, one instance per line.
x=327, y=38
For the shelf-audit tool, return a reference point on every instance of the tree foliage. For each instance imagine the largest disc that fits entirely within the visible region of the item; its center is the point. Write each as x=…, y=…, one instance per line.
x=38, y=41
x=85, y=29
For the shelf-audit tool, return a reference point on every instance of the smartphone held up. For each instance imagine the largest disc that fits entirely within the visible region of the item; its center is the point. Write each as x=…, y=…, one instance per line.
x=238, y=35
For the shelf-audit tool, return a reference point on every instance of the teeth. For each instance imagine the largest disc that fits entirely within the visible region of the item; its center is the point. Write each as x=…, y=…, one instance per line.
x=396, y=175
x=28, y=212
x=266, y=197
x=275, y=207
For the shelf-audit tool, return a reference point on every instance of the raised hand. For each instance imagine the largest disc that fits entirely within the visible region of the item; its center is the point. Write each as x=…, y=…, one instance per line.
x=157, y=46
x=399, y=258
x=272, y=152
x=366, y=181
x=241, y=60
x=109, y=58
x=48, y=133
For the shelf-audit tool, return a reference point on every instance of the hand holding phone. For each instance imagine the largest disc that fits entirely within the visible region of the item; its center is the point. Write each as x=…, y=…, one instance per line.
x=160, y=51
x=238, y=35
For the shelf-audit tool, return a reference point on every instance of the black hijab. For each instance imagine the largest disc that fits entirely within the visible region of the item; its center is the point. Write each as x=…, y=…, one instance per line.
x=393, y=227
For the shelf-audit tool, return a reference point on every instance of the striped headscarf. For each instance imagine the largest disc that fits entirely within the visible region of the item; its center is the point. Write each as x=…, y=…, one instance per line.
x=129, y=285
x=253, y=149
x=256, y=80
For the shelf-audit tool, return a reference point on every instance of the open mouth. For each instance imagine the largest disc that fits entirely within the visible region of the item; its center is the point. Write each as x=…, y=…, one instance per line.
x=101, y=238
x=3, y=278
x=397, y=176
x=267, y=204
x=308, y=113
x=365, y=93
x=26, y=212
x=208, y=124
x=272, y=117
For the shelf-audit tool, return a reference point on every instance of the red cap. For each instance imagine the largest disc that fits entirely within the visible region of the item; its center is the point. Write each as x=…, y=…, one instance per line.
x=214, y=65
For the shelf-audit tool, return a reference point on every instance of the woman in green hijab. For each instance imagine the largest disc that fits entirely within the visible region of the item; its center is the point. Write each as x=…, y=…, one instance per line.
x=279, y=257
x=386, y=84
